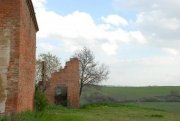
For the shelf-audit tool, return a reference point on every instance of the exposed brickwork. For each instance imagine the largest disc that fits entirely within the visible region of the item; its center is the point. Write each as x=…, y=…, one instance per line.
x=67, y=77
x=17, y=54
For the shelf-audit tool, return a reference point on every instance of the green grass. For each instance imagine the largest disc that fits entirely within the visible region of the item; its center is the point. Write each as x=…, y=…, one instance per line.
x=100, y=112
x=166, y=106
x=134, y=92
x=134, y=111
x=134, y=96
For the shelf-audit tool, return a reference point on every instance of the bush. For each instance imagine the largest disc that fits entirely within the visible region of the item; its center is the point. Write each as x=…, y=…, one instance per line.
x=40, y=100
x=3, y=118
x=156, y=115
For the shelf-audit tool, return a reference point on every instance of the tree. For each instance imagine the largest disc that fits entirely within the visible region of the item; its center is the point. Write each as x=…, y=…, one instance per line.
x=52, y=63
x=91, y=72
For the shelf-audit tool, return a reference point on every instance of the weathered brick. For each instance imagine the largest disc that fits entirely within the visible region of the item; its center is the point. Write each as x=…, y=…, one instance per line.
x=69, y=78
x=18, y=29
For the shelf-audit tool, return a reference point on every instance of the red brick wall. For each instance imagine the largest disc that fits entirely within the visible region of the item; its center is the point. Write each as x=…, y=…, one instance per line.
x=69, y=77
x=9, y=23
x=17, y=25
x=27, y=59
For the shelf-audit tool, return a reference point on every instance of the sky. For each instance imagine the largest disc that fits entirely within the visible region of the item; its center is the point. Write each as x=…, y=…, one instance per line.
x=137, y=39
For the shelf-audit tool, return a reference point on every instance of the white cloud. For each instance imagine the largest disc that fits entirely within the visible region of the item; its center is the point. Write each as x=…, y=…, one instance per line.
x=110, y=49
x=39, y=4
x=115, y=20
x=171, y=23
x=75, y=25
x=157, y=20
x=79, y=29
x=46, y=46
x=170, y=51
x=160, y=32
x=138, y=36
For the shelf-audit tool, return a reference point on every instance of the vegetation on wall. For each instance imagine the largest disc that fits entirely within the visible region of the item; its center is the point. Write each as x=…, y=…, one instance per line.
x=2, y=93
x=40, y=100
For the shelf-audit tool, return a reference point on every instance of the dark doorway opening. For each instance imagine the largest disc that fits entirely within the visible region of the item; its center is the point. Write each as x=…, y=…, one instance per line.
x=61, y=95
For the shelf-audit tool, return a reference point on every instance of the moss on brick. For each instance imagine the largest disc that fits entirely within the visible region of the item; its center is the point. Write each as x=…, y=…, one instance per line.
x=2, y=93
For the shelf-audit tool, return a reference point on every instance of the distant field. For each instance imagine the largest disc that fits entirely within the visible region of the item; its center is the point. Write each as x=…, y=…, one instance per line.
x=165, y=98
x=136, y=92
x=129, y=93
x=98, y=112
x=132, y=92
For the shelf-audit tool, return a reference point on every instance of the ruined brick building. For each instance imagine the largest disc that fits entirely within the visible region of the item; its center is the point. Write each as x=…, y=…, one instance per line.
x=18, y=29
x=63, y=87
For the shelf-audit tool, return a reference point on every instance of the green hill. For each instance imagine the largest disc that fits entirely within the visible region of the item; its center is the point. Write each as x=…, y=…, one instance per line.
x=160, y=97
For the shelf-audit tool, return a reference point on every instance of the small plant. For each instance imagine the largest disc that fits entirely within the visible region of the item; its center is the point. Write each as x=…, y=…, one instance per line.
x=3, y=118
x=40, y=100
x=155, y=116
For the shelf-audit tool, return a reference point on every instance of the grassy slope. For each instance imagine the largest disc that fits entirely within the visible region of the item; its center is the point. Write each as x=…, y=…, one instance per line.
x=101, y=113
x=134, y=93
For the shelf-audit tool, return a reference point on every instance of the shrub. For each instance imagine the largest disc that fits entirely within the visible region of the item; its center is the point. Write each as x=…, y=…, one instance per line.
x=156, y=115
x=3, y=118
x=40, y=100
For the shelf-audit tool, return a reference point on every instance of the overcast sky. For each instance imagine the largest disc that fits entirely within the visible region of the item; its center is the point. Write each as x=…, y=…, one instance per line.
x=138, y=39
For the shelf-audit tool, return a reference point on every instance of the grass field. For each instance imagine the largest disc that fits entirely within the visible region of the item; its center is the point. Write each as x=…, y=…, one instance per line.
x=164, y=106
x=136, y=92
x=132, y=92
x=99, y=113
x=113, y=104
x=124, y=94
x=150, y=97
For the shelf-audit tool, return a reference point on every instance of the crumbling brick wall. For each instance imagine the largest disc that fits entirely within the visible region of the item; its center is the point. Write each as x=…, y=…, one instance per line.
x=69, y=78
x=18, y=28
